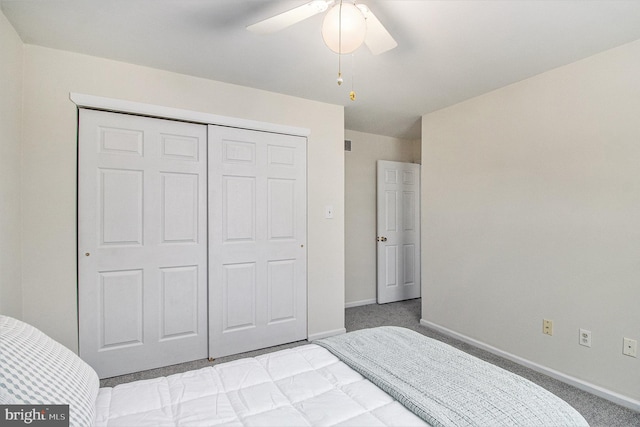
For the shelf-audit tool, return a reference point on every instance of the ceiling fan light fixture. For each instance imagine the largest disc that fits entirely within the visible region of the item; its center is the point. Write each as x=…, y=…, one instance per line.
x=344, y=28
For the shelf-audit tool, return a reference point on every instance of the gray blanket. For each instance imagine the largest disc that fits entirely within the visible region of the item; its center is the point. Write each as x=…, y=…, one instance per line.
x=445, y=386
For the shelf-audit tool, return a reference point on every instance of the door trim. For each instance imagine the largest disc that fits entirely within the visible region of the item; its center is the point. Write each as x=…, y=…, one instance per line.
x=158, y=111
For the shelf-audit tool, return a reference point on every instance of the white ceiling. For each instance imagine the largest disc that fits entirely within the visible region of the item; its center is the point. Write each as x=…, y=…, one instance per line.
x=448, y=51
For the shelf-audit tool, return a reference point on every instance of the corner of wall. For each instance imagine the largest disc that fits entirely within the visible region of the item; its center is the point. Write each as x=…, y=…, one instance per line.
x=11, y=86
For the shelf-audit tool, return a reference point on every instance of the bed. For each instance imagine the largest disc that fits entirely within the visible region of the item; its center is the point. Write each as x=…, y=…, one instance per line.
x=374, y=377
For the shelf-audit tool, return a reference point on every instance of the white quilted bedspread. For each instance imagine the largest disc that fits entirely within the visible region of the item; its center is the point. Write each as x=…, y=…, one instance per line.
x=302, y=386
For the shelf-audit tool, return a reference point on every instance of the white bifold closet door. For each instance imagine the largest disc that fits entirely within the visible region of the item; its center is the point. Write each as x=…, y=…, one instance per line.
x=142, y=242
x=257, y=240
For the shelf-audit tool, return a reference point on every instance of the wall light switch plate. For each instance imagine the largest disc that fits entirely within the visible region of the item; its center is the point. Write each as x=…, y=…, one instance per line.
x=630, y=347
x=547, y=327
x=328, y=212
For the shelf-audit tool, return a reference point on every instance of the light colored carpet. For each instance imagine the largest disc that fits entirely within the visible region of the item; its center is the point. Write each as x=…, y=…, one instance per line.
x=597, y=411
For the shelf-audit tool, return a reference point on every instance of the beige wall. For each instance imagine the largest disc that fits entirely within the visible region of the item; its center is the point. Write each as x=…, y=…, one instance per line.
x=531, y=210
x=49, y=174
x=360, y=207
x=10, y=117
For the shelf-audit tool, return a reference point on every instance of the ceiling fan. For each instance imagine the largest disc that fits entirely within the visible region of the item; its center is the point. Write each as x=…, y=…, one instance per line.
x=346, y=26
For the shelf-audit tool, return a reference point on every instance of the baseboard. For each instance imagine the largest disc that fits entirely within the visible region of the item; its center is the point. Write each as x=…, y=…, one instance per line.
x=612, y=396
x=326, y=334
x=359, y=303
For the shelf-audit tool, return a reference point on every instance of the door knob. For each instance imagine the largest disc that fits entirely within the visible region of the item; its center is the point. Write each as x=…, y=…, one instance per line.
x=382, y=239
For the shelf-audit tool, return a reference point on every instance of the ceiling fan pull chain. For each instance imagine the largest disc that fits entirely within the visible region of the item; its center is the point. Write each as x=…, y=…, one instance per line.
x=340, y=45
x=339, y=71
x=352, y=94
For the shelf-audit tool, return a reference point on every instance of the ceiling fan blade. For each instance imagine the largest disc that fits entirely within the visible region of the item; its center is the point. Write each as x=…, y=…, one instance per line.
x=290, y=17
x=377, y=39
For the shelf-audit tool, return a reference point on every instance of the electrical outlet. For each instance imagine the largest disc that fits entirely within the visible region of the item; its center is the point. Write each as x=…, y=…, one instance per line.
x=630, y=347
x=547, y=326
x=585, y=338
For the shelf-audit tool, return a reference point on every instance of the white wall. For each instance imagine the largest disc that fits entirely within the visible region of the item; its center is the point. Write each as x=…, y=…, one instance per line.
x=360, y=207
x=531, y=210
x=10, y=116
x=49, y=174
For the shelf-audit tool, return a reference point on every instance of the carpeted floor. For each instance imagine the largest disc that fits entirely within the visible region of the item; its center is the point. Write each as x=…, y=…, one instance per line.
x=597, y=411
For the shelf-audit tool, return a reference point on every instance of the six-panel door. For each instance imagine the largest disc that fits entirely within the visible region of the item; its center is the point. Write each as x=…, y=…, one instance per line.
x=398, y=250
x=142, y=242
x=257, y=238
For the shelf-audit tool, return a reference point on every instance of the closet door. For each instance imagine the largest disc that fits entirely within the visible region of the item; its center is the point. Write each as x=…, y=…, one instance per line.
x=257, y=240
x=142, y=242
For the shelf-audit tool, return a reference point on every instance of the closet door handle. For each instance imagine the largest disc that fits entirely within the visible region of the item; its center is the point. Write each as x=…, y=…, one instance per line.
x=382, y=239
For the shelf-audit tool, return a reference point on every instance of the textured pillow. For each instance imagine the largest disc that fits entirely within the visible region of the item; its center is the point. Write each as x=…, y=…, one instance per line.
x=35, y=369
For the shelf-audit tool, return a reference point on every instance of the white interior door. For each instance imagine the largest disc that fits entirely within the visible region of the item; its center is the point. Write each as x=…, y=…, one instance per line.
x=257, y=238
x=142, y=242
x=398, y=200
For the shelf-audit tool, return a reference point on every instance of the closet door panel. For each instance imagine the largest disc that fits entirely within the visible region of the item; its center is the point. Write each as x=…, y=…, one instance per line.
x=239, y=204
x=120, y=202
x=257, y=237
x=142, y=242
x=179, y=207
x=281, y=209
